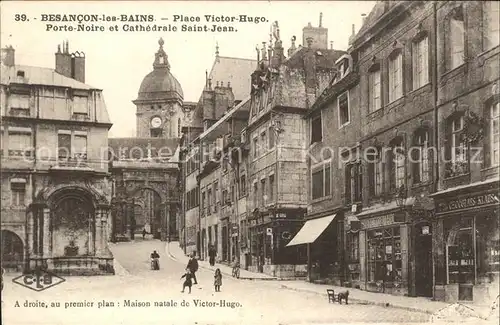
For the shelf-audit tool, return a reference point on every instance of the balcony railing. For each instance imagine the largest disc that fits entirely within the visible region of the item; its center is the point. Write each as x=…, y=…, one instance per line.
x=78, y=161
x=453, y=169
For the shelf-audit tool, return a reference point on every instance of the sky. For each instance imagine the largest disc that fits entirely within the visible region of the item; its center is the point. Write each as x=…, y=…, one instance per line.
x=117, y=61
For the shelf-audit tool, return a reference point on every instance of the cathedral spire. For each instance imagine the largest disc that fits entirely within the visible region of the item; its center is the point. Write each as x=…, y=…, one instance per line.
x=161, y=58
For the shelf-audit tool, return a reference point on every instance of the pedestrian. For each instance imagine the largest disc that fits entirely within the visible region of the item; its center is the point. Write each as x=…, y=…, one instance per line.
x=144, y=233
x=211, y=254
x=217, y=280
x=187, y=281
x=193, y=267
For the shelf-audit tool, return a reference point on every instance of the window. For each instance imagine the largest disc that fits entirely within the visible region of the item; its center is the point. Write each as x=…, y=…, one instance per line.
x=272, y=139
x=263, y=192
x=203, y=203
x=216, y=195
x=233, y=194
x=420, y=62
x=80, y=105
x=255, y=195
x=19, y=105
x=343, y=107
x=179, y=127
x=375, y=90
x=321, y=182
x=224, y=197
x=384, y=255
x=376, y=172
x=209, y=202
x=316, y=129
x=255, y=147
x=243, y=185
x=457, y=148
x=353, y=182
x=80, y=146
x=457, y=38
x=271, y=188
x=156, y=133
x=18, y=194
x=398, y=172
x=420, y=156
x=395, y=76
x=495, y=133
x=491, y=28
x=20, y=143
x=457, y=142
x=353, y=247
x=263, y=141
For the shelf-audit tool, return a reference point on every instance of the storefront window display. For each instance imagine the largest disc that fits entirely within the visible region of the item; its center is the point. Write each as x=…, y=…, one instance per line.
x=473, y=259
x=384, y=256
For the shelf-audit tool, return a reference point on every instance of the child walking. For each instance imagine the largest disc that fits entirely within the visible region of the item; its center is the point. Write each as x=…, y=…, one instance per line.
x=217, y=280
x=187, y=282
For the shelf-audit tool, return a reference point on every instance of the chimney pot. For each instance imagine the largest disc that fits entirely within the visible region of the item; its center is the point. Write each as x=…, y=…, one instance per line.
x=9, y=57
x=363, y=18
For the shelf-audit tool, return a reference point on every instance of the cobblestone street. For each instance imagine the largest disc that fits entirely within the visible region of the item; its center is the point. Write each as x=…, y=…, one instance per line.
x=253, y=302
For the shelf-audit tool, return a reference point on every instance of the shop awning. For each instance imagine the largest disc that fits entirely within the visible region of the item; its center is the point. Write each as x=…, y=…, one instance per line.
x=311, y=230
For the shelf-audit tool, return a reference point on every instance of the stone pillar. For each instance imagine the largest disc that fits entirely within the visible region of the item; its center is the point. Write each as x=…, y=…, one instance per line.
x=165, y=222
x=94, y=240
x=362, y=258
x=47, y=238
x=31, y=227
x=404, y=255
x=104, y=227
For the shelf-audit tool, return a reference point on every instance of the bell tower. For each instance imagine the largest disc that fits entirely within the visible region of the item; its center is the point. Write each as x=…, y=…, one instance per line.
x=160, y=99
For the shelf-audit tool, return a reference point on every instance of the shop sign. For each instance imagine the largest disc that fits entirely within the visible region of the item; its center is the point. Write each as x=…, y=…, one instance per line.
x=466, y=203
x=379, y=221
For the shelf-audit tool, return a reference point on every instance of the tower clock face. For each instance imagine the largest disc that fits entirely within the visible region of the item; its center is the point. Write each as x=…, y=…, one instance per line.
x=156, y=122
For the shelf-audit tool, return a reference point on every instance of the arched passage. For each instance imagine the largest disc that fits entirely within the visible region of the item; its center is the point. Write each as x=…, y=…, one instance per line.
x=12, y=250
x=148, y=211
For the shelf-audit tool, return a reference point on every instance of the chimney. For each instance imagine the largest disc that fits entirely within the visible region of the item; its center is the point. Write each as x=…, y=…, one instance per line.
x=353, y=34
x=318, y=34
x=70, y=65
x=9, y=56
x=78, y=66
x=363, y=18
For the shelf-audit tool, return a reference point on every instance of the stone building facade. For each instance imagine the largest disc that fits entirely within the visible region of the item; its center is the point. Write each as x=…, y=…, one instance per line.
x=202, y=224
x=466, y=245
x=55, y=180
x=420, y=164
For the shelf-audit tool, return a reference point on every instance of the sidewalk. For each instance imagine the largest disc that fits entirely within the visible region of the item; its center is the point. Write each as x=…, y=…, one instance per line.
x=440, y=310
x=175, y=252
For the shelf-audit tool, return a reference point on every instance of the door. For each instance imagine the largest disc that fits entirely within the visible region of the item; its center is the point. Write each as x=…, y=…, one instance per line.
x=423, y=260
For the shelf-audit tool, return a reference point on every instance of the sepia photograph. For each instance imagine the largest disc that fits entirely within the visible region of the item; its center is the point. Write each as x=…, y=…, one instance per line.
x=250, y=162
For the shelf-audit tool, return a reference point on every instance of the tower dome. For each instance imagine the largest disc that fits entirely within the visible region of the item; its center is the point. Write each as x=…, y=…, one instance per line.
x=160, y=84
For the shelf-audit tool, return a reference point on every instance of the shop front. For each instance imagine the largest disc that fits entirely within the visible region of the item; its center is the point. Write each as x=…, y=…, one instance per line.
x=467, y=241
x=383, y=253
x=269, y=234
x=323, y=238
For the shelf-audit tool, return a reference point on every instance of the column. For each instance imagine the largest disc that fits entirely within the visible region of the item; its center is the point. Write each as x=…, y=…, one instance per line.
x=404, y=255
x=165, y=220
x=95, y=241
x=104, y=226
x=47, y=238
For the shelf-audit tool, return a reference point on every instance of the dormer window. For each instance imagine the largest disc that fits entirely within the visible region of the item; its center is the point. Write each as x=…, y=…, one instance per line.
x=20, y=73
x=161, y=60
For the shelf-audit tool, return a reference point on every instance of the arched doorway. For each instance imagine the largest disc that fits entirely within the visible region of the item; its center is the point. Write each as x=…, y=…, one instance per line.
x=73, y=225
x=12, y=250
x=148, y=210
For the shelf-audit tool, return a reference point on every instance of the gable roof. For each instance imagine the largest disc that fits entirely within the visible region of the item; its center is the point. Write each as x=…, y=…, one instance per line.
x=237, y=71
x=377, y=12
x=38, y=76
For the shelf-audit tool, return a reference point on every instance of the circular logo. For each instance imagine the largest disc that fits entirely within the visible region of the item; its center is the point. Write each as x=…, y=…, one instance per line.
x=156, y=122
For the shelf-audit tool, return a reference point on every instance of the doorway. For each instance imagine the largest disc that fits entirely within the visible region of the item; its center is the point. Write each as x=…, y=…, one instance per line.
x=423, y=260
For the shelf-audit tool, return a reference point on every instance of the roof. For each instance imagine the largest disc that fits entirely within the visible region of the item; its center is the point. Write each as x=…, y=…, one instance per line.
x=160, y=84
x=379, y=10
x=325, y=58
x=38, y=76
x=137, y=148
x=237, y=71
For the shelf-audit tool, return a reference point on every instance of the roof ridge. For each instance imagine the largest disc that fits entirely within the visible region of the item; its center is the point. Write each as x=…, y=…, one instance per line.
x=235, y=58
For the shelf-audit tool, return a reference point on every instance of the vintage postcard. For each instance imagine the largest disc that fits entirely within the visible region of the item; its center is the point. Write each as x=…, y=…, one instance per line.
x=250, y=162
